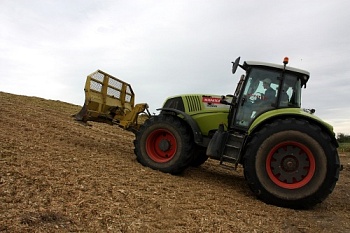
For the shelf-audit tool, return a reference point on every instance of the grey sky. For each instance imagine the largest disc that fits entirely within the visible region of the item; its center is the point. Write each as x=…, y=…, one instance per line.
x=164, y=48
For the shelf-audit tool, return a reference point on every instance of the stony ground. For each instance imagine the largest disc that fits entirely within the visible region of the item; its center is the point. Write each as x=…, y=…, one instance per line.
x=57, y=175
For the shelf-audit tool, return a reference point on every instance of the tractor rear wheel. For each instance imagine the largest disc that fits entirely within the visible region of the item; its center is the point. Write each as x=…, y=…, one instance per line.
x=164, y=143
x=291, y=163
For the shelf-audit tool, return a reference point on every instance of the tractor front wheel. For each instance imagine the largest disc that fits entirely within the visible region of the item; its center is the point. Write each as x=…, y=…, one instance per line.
x=164, y=143
x=291, y=163
x=199, y=156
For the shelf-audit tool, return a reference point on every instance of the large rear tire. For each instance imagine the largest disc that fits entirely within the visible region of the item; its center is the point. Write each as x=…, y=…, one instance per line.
x=164, y=143
x=291, y=163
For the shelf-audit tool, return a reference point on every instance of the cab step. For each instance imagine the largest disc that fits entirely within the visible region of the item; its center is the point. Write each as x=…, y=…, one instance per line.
x=232, y=150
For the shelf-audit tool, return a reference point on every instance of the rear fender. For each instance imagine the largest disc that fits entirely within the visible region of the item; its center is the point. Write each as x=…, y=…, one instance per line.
x=291, y=112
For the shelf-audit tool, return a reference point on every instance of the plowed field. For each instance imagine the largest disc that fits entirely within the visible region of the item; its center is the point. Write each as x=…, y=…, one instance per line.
x=57, y=175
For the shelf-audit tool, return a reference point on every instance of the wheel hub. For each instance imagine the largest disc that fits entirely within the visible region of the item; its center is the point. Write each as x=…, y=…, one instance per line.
x=289, y=164
x=161, y=145
x=164, y=145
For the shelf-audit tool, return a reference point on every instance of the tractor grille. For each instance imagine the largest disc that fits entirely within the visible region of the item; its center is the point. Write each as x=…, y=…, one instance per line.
x=194, y=103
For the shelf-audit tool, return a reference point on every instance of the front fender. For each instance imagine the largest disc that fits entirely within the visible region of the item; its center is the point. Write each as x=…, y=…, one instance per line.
x=197, y=134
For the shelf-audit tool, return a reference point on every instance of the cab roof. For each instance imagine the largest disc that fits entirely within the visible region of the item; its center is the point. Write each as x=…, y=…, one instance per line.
x=303, y=75
x=278, y=66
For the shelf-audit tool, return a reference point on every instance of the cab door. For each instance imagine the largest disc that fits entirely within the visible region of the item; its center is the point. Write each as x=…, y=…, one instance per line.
x=253, y=100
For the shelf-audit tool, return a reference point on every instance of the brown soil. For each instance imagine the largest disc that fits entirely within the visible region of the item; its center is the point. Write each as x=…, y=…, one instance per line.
x=57, y=175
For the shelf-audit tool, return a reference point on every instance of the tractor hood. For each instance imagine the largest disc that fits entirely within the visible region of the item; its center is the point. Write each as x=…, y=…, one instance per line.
x=194, y=103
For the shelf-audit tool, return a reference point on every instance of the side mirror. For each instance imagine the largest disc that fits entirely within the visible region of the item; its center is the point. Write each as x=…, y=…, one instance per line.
x=235, y=65
x=224, y=101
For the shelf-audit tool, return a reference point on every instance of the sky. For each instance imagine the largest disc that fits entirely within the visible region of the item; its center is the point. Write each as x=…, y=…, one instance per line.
x=164, y=48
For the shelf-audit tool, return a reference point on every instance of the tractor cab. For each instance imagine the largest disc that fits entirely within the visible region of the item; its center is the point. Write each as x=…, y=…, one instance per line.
x=263, y=88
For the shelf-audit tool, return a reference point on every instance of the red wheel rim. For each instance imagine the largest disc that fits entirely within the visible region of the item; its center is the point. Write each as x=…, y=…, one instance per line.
x=161, y=145
x=290, y=165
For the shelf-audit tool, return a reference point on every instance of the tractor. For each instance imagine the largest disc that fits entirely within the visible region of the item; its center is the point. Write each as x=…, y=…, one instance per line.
x=289, y=156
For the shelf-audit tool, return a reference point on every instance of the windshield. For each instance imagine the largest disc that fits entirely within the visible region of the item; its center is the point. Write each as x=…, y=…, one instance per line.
x=261, y=93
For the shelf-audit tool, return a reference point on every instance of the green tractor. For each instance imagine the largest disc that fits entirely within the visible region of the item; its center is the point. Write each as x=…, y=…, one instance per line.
x=288, y=154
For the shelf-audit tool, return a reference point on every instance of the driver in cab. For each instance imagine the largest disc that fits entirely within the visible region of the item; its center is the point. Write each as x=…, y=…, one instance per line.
x=269, y=92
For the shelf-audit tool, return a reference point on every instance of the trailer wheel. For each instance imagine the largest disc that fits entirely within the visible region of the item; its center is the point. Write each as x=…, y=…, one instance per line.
x=291, y=163
x=164, y=143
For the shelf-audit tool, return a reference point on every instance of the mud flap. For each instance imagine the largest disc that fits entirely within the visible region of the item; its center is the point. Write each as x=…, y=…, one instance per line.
x=217, y=143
